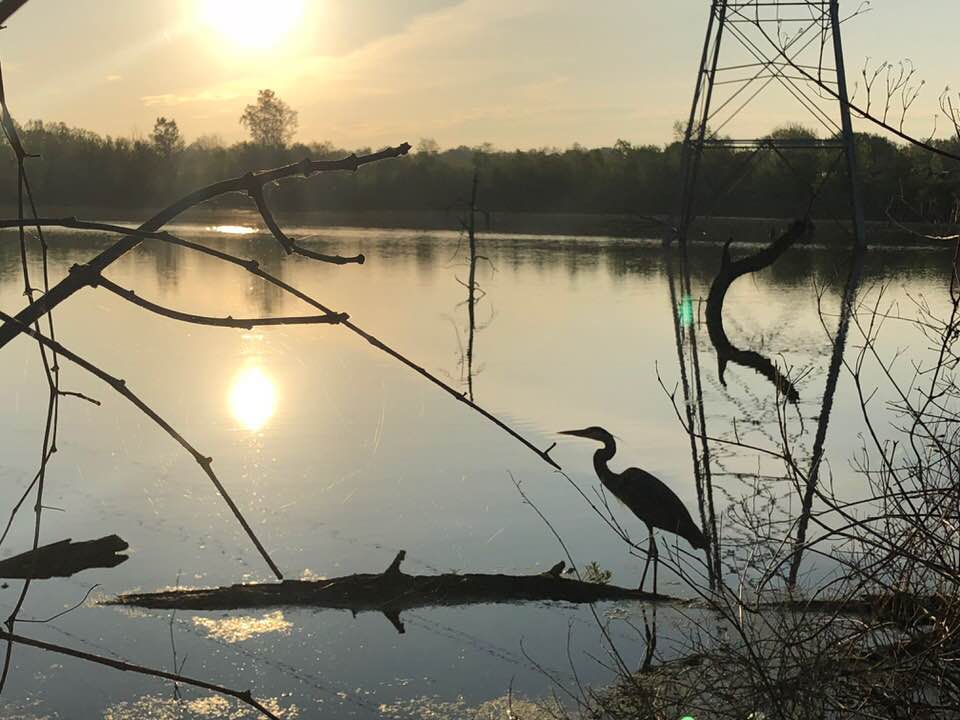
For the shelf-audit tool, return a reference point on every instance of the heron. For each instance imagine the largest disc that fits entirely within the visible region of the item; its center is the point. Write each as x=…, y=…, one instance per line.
x=645, y=496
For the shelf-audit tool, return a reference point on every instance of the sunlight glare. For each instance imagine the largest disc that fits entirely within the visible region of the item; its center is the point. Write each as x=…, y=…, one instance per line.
x=253, y=398
x=251, y=24
x=240, y=629
x=232, y=229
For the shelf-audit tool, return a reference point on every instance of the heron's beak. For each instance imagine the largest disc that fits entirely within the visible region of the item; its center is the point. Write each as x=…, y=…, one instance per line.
x=575, y=433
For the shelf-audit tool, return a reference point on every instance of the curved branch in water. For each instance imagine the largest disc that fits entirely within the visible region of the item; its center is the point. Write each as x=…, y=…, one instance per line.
x=731, y=270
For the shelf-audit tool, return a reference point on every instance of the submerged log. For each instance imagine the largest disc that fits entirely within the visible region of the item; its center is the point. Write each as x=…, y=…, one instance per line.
x=65, y=558
x=390, y=592
x=730, y=270
x=902, y=609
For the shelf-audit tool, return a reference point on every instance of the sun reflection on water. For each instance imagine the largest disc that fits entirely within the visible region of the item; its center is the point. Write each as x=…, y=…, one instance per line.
x=233, y=229
x=238, y=629
x=253, y=398
x=158, y=707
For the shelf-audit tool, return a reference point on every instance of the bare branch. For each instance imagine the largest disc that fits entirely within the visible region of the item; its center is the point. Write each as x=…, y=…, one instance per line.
x=244, y=696
x=244, y=323
x=121, y=387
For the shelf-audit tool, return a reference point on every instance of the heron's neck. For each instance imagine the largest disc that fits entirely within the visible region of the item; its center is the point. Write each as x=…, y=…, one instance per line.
x=602, y=456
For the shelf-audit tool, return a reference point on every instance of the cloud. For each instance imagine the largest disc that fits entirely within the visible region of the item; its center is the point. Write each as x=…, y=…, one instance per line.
x=432, y=50
x=113, y=78
x=524, y=72
x=429, y=51
x=220, y=93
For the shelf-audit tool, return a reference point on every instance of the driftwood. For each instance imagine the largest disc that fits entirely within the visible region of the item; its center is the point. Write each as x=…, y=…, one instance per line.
x=730, y=271
x=390, y=592
x=65, y=558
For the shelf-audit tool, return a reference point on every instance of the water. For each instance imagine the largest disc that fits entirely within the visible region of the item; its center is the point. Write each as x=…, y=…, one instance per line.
x=339, y=456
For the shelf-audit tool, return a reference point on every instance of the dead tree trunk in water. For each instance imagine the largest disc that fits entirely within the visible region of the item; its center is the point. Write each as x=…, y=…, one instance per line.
x=65, y=558
x=392, y=591
x=472, y=284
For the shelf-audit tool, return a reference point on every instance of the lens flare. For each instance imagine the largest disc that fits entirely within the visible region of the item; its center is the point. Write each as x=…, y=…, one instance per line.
x=685, y=311
x=253, y=398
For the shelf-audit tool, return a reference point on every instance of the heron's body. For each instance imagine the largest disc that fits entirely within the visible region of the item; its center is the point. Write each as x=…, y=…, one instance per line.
x=646, y=496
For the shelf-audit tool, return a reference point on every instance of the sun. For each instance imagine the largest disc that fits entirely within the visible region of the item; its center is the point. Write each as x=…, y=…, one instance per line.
x=251, y=24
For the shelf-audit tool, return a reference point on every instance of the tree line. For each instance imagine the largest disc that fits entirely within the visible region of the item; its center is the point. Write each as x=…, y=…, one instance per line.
x=84, y=169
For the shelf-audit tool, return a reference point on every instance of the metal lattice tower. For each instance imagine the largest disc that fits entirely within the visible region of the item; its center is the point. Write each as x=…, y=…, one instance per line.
x=755, y=50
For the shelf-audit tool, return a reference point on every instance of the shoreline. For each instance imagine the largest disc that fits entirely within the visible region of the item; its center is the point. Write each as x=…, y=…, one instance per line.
x=718, y=229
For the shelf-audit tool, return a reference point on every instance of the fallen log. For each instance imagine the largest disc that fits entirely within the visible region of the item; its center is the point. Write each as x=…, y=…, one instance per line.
x=391, y=592
x=730, y=271
x=65, y=558
x=903, y=609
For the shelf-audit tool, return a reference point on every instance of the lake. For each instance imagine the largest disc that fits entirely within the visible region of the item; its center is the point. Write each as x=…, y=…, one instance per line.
x=339, y=456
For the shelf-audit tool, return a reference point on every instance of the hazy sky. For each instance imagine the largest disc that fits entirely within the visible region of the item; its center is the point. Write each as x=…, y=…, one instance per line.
x=517, y=73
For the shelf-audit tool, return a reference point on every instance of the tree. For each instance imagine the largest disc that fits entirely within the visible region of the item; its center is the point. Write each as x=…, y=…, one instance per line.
x=623, y=147
x=270, y=121
x=210, y=141
x=428, y=146
x=166, y=137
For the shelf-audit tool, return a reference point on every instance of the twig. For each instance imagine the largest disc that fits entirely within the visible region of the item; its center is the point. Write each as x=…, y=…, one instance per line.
x=245, y=323
x=62, y=612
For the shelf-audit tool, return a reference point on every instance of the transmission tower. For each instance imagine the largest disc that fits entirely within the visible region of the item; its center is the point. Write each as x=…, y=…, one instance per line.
x=756, y=53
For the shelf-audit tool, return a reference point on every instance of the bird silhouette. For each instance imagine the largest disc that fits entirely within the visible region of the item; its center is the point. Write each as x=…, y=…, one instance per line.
x=646, y=496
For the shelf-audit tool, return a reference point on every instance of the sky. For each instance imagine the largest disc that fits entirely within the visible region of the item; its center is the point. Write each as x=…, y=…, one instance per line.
x=368, y=73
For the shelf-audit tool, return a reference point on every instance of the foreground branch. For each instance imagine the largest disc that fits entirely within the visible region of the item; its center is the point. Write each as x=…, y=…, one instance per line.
x=253, y=267
x=121, y=387
x=9, y=7
x=231, y=322
x=244, y=696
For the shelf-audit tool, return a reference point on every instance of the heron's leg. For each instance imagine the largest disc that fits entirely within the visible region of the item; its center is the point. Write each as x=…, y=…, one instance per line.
x=646, y=565
x=656, y=559
x=644, y=576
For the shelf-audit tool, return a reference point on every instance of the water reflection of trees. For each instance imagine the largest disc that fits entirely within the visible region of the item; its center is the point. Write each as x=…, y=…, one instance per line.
x=622, y=258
